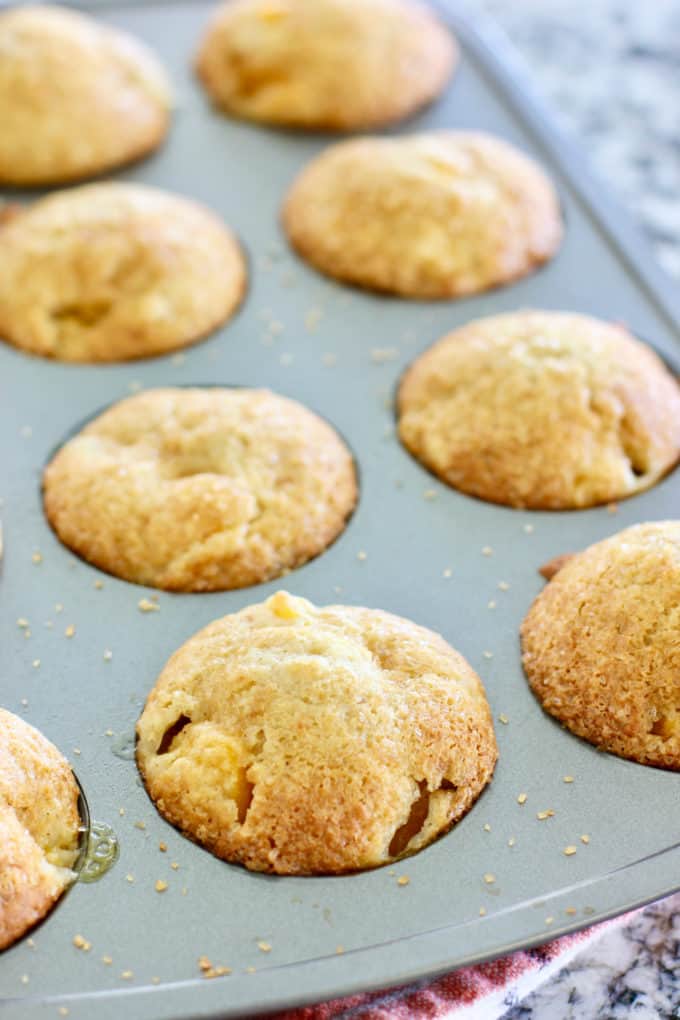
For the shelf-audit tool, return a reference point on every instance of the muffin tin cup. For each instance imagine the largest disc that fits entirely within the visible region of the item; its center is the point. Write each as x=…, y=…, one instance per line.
x=500, y=879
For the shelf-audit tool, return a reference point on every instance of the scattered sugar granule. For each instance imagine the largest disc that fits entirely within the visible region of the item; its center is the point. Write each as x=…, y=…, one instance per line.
x=569, y=851
x=59, y=608
x=36, y=664
x=24, y=979
x=163, y=847
x=491, y=604
x=503, y=586
x=264, y=947
x=430, y=494
x=568, y=779
x=70, y=630
x=108, y=655
x=585, y=838
x=127, y=975
x=542, y=815
x=362, y=556
x=160, y=885
x=81, y=943
x=528, y=529
x=37, y=558
x=447, y=573
x=487, y=655
x=99, y=585
x=108, y=960
x=512, y=841
x=522, y=798
x=22, y=623
x=489, y=878
x=339, y=950
x=487, y=827
x=503, y=719
x=570, y=911
x=147, y=606
x=549, y=920
x=487, y=551
x=140, y=825
x=403, y=880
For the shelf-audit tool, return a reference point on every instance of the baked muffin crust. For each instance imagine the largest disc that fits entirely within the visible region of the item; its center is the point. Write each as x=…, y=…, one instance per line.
x=601, y=644
x=201, y=489
x=305, y=740
x=434, y=215
x=115, y=271
x=77, y=98
x=325, y=64
x=544, y=410
x=39, y=826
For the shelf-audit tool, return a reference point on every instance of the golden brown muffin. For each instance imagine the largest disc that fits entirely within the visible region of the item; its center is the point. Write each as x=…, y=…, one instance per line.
x=110, y=272
x=325, y=64
x=601, y=644
x=306, y=740
x=424, y=216
x=39, y=826
x=77, y=98
x=545, y=410
x=201, y=489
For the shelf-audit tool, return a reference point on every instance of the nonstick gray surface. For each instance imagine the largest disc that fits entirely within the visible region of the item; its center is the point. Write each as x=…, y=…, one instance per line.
x=431, y=554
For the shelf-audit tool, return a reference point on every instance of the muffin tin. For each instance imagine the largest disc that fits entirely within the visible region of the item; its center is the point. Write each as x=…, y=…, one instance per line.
x=413, y=547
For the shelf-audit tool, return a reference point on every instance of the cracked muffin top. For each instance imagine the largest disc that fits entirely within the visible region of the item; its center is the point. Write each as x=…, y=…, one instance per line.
x=111, y=272
x=201, y=489
x=601, y=644
x=39, y=826
x=325, y=64
x=544, y=410
x=77, y=98
x=433, y=215
x=304, y=740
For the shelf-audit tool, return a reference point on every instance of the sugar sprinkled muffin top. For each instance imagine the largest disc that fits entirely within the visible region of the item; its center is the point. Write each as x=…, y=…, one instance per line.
x=303, y=740
x=201, y=489
x=325, y=64
x=435, y=215
x=545, y=410
x=39, y=826
x=115, y=271
x=601, y=644
x=77, y=98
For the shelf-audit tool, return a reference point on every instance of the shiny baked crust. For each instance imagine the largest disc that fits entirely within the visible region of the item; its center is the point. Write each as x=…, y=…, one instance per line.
x=424, y=216
x=545, y=410
x=305, y=740
x=325, y=64
x=115, y=271
x=601, y=644
x=77, y=97
x=201, y=489
x=39, y=826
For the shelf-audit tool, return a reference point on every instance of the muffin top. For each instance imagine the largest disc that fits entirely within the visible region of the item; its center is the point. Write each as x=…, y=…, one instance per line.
x=601, y=644
x=77, y=98
x=424, y=216
x=545, y=410
x=39, y=826
x=325, y=64
x=303, y=740
x=201, y=489
x=114, y=271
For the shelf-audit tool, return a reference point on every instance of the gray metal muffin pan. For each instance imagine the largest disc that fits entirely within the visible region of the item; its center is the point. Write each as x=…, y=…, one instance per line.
x=340, y=352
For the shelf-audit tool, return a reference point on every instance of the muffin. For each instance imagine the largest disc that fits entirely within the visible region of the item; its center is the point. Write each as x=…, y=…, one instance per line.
x=325, y=64
x=304, y=740
x=436, y=215
x=201, y=489
x=39, y=827
x=77, y=98
x=543, y=410
x=601, y=646
x=110, y=272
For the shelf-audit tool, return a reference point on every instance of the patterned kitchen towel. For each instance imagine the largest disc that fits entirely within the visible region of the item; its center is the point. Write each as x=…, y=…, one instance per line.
x=483, y=992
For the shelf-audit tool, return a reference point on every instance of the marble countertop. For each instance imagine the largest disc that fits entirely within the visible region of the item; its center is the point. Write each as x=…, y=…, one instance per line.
x=611, y=70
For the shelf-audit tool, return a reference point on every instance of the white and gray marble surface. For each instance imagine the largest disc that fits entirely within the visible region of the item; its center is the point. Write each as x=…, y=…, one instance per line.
x=611, y=70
